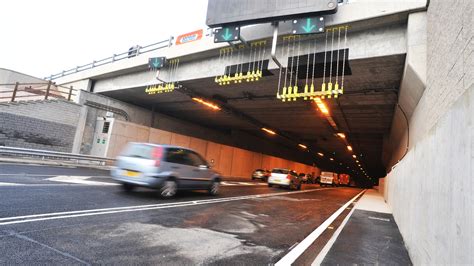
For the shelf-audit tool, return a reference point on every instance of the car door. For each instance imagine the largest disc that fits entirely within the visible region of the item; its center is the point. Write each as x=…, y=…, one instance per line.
x=179, y=163
x=201, y=175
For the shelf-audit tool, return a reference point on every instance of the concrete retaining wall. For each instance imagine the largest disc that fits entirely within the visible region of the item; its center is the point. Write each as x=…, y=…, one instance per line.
x=431, y=189
x=49, y=125
x=228, y=160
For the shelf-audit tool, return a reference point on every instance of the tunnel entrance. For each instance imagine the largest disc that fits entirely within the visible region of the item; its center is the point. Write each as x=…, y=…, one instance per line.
x=349, y=138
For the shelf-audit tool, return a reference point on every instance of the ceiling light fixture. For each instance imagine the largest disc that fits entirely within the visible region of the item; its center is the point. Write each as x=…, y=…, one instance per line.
x=269, y=131
x=349, y=147
x=321, y=154
x=322, y=107
x=332, y=159
x=354, y=156
x=341, y=135
x=303, y=146
x=208, y=104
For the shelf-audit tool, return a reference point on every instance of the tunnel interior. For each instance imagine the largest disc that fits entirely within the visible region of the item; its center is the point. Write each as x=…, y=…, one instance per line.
x=364, y=113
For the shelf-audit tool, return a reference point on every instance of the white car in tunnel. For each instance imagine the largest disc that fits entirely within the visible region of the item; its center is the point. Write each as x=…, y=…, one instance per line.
x=284, y=178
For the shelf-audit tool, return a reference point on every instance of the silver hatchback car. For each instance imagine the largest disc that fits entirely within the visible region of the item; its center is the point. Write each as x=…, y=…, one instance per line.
x=166, y=168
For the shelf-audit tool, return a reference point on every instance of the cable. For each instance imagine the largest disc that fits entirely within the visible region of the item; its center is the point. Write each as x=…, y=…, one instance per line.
x=408, y=132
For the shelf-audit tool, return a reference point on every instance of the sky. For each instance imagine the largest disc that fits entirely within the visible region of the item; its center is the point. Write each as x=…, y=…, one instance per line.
x=44, y=37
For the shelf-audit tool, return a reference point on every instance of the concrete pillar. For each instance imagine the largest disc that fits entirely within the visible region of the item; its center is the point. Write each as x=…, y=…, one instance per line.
x=81, y=124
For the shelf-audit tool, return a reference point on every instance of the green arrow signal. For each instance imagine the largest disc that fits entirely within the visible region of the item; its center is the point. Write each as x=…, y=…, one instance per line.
x=156, y=62
x=309, y=27
x=227, y=35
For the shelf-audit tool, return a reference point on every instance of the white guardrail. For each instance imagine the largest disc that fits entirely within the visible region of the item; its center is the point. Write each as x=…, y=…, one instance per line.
x=53, y=155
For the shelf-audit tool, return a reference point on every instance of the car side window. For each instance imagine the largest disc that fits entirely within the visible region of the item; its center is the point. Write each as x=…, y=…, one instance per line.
x=196, y=159
x=178, y=156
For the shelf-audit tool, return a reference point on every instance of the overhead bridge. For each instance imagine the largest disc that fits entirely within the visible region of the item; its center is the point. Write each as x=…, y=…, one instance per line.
x=392, y=99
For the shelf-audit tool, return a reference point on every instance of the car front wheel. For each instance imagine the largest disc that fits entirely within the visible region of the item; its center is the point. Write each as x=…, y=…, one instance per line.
x=168, y=189
x=214, y=189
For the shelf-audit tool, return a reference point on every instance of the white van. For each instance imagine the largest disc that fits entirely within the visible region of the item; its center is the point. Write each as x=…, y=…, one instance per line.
x=328, y=179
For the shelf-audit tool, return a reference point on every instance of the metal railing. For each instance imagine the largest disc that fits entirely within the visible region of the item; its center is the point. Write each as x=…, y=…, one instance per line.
x=53, y=155
x=35, y=91
x=132, y=52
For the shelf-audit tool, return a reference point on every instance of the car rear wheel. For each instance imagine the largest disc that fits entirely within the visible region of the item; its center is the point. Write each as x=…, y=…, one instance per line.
x=168, y=189
x=214, y=189
x=293, y=186
x=127, y=187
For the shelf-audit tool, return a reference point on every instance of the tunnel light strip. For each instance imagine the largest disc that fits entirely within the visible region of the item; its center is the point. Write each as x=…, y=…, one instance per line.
x=208, y=104
x=322, y=106
x=269, y=131
x=303, y=146
x=296, y=252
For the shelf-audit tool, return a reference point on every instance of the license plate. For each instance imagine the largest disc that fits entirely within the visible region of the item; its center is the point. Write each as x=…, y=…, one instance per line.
x=131, y=173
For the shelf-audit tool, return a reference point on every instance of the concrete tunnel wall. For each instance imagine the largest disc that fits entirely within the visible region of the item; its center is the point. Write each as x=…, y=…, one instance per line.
x=144, y=117
x=431, y=190
x=229, y=161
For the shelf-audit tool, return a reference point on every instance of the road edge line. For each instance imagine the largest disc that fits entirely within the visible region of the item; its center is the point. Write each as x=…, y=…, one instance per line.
x=296, y=252
x=322, y=254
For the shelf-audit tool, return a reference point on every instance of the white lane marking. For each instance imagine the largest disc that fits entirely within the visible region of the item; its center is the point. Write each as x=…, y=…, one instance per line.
x=91, y=212
x=225, y=183
x=378, y=218
x=79, y=180
x=319, y=259
x=41, y=175
x=235, y=183
x=294, y=254
x=3, y=184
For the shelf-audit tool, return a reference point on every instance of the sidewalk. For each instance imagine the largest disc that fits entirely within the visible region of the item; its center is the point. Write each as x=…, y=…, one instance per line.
x=370, y=236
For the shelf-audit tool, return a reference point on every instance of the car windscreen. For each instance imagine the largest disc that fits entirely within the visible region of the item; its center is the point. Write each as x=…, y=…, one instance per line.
x=280, y=171
x=138, y=151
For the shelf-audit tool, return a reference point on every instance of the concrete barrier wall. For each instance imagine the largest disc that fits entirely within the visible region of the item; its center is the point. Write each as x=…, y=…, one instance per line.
x=229, y=161
x=431, y=189
x=45, y=125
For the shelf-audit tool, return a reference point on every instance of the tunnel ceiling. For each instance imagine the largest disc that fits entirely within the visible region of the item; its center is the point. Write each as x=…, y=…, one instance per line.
x=364, y=113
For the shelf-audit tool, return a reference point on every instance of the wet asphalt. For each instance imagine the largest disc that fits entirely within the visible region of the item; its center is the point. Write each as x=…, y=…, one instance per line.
x=117, y=227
